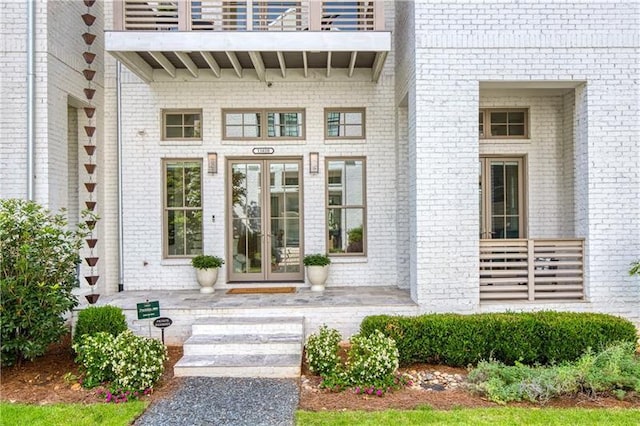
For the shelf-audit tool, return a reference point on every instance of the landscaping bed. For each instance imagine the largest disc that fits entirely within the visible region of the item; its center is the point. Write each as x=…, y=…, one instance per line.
x=43, y=382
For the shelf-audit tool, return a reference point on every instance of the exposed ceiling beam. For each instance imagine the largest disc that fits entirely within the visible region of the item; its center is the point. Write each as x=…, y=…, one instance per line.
x=164, y=63
x=186, y=60
x=352, y=63
x=235, y=63
x=378, y=64
x=211, y=61
x=305, y=63
x=136, y=64
x=283, y=65
x=328, y=64
x=258, y=64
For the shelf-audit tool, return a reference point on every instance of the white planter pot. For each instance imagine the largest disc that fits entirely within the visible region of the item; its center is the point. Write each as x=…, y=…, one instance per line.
x=317, y=276
x=207, y=278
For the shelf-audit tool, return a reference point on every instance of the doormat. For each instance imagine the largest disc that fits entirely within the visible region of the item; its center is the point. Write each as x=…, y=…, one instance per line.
x=258, y=290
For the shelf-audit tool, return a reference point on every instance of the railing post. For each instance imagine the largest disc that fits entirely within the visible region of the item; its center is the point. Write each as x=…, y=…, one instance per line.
x=184, y=15
x=315, y=15
x=378, y=15
x=249, y=22
x=531, y=273
x=118, y=15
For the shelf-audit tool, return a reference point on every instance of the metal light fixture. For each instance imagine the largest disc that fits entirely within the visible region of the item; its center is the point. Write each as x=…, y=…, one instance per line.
x=314, y=163
x=212, y=163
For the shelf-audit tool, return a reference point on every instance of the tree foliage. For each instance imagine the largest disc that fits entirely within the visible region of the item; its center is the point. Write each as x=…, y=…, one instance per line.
x=38, y=259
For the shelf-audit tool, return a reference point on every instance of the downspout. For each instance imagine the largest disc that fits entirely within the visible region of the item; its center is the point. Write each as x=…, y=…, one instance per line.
x=31, y=51
x=119, y=148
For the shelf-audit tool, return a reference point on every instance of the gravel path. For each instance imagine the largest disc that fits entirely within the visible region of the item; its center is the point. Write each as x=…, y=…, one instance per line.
x=226, y=401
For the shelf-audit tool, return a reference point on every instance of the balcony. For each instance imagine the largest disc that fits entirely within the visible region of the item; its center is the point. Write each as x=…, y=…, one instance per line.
x=250, y=40
x=548, y=270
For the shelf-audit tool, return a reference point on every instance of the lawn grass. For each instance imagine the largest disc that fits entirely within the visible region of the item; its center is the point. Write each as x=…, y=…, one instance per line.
x=71, y=414
x=478, y=416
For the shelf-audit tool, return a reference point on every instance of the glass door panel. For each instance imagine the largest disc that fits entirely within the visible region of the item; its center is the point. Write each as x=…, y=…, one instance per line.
x=266, y=224
x=501, y=198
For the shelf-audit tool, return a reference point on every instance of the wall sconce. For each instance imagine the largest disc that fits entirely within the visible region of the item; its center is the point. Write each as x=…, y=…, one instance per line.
x=212, y=163
x=314, y=163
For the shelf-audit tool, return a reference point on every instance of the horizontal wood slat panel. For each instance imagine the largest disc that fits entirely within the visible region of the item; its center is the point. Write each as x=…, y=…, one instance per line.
x=556, y=271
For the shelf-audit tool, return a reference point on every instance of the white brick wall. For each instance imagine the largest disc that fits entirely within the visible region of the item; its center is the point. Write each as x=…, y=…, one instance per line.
x=459, y=45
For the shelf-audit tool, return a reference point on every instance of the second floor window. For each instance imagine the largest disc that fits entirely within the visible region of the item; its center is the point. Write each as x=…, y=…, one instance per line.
x=345, y=123
x=265, y=124
x=182, y=125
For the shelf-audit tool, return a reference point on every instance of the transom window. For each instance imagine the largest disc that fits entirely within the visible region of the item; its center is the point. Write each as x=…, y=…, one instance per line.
x=346, y=206
x=344, y=123
x=250, y=124
x=182, y=207
x=181, y=125
x=503, y=123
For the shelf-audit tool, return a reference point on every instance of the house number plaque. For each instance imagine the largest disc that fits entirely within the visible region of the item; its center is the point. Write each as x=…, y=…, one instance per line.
x=263, y=150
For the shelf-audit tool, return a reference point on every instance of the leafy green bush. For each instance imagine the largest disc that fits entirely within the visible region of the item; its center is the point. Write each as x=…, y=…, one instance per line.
x=537, y=337
x=131, y=363
x=373, y=361
x=95, y=319
x=322, y=351
x=316, y=259
x=95, y=354
x=38, y=263
x=615, y=370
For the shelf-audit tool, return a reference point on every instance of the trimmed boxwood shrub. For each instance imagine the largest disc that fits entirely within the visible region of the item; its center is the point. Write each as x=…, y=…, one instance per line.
x=537, y=337
x=95, y=319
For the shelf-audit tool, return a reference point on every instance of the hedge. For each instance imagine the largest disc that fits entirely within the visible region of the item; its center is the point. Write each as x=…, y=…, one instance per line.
x=539, y=337
x=95, y=319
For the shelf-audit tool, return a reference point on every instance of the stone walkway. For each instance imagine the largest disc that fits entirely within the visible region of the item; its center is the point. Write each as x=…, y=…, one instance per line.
x=226, y=401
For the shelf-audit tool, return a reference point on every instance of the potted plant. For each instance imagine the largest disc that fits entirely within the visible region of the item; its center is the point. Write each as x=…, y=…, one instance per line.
x=206, y=271
x=317, y=266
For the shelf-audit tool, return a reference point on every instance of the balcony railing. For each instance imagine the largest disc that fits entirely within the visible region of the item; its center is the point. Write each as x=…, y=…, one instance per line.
x=532, y=270
x=248, y=15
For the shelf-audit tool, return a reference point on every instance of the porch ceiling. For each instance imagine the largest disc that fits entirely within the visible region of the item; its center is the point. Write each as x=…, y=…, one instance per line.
x=270, y=56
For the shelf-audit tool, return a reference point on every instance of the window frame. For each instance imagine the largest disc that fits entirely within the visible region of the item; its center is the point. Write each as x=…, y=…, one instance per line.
x=362, y=110
x=183, y=111
x=166, y=209
x=264, y=124
x=486, y=123
x=362, y=207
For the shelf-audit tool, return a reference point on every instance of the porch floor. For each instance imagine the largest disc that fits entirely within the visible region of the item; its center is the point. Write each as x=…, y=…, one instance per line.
x=342, y=308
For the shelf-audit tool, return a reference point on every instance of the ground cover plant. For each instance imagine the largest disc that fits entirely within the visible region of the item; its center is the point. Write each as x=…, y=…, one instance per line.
x=615, y=370
x=37, y=274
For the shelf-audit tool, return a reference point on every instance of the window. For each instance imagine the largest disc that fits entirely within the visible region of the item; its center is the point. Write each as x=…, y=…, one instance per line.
x=181, y=125
x=182, y=207
x=345, y=123
x=346, y=206
x=503, y=124
x=249, y=124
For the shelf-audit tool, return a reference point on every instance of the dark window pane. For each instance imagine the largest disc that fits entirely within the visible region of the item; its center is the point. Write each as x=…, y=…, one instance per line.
x=516, y=130
x=516, y=117
x=174, y=132
x=174, y=119
x=498, y=118
x=498, y=130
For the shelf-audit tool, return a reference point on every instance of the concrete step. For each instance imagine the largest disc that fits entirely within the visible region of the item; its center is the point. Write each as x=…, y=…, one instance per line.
x=247, y=325
x=271, y=365
x=243, y=347
x=221, y=344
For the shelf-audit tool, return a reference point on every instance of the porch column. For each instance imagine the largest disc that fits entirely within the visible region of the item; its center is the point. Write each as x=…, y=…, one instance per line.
x=444, y=193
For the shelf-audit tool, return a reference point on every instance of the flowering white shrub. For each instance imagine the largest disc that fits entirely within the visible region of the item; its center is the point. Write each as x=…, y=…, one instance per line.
x=131, y=363
x=322, y=351
x=138, y=362
x=372, y=361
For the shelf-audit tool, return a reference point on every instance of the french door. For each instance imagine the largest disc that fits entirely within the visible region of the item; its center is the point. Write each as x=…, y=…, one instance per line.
x=264, y=221
x=502, y=200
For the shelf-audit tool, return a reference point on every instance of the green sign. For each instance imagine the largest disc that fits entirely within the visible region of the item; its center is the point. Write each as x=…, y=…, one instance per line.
x=148, y=310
